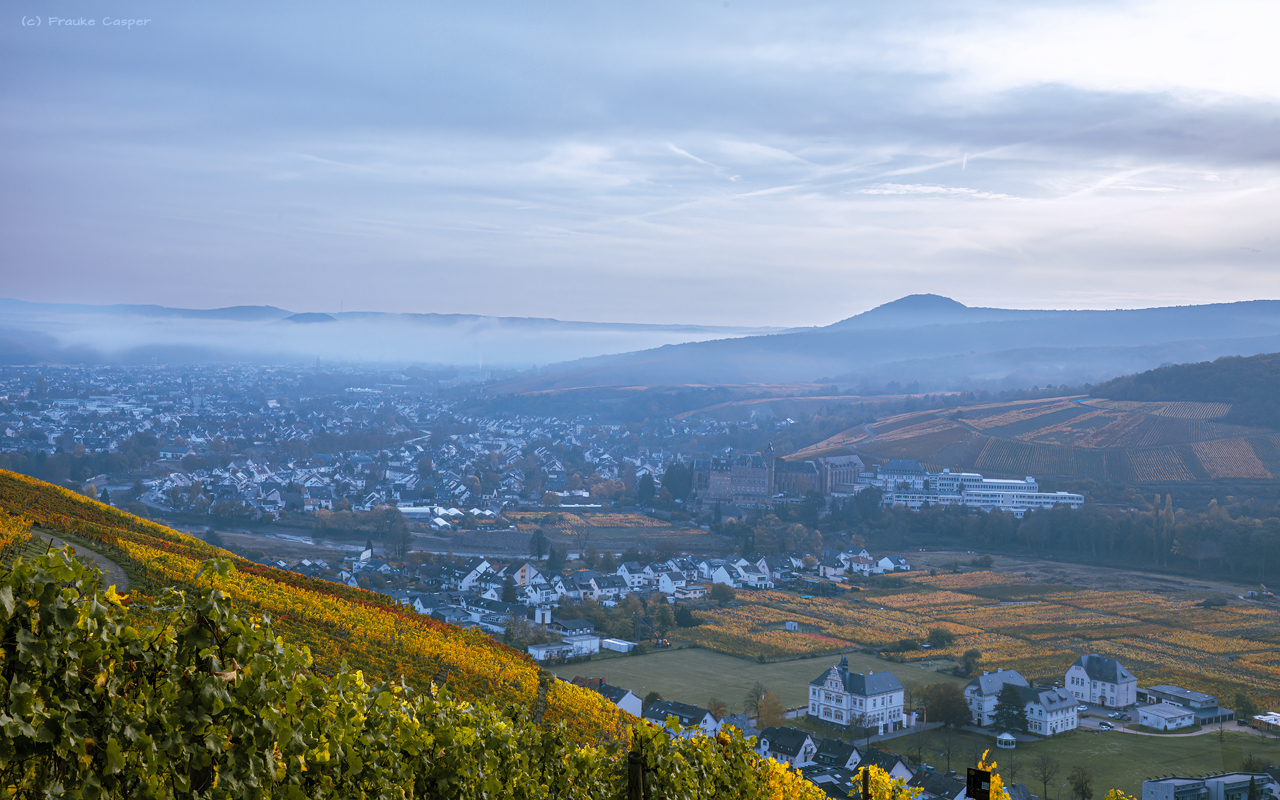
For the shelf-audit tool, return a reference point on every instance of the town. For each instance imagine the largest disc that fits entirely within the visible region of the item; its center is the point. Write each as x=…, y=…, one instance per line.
x=575, y=537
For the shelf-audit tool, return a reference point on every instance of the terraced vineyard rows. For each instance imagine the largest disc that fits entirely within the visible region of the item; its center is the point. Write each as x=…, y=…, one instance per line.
x=1076, y=437
x=1219, y=650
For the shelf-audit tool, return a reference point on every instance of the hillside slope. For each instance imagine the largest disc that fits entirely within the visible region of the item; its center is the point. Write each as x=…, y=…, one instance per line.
x=339, y=624
x=1074, y=437
x=1250, y=384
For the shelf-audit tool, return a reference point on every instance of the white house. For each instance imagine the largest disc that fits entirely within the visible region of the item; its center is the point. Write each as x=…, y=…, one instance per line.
x=1049, y=711
x=696, y=720
x=787, y=745
x=725, y=574
x=624, y=699
x=1094, y=679
x=633, y=574
x=1166, y=716
x=873, y=700
x=669, y=582
x=981, y=693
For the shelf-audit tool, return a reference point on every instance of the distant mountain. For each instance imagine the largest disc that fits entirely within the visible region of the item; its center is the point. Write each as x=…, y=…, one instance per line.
x=943, y=345
x=33, y=333
x=916, y=310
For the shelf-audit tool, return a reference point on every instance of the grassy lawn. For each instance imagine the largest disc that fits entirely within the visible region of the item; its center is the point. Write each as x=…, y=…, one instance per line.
x=1116, y=760
x=696, y=675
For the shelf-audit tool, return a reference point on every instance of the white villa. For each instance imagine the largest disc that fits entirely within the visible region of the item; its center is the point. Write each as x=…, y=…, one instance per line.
x=1095, y=679
x=873, y=700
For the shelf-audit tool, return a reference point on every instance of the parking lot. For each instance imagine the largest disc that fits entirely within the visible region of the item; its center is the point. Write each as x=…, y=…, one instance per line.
x=1096, y=717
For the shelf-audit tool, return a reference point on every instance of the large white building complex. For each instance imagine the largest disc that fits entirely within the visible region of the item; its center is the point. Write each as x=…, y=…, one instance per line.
x=873, y=700
x=903, y=482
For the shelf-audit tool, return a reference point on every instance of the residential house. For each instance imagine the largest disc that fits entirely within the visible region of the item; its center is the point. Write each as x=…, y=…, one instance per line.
x=889, y=762
x=624, y=699
x=787, y=745
x=837, y=753
x=938, y=786
x=1095, y=679
x=1049, y=711
x=893, y=564
x=571, y=627
x=669, y=582
x=694, y=719
x=981, y=693
x=633, y=574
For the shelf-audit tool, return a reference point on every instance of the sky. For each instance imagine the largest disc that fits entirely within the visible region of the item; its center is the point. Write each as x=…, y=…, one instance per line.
x=732, y=163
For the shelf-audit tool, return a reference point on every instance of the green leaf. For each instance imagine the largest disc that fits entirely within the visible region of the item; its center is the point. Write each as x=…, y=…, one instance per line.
x=6, y=601
x=115, y=759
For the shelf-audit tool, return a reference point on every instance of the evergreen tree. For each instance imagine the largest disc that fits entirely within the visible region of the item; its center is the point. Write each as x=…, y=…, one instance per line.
x=1010, y=713
x=646, y=490
x=509, y=594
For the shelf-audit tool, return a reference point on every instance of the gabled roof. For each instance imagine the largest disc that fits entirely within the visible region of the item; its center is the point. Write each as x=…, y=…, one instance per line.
x=1051, y=699
x=834, y=752
x=1107, y=670
x=687, y=715
x=872, y=683
x=938, y=785
x=881, y=759
x=613, y=694
x=991, y=683
x=784, y=739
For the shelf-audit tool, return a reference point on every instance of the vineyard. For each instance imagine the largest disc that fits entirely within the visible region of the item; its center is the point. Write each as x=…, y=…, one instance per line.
x=1038, y=631
x=1231, y=458
x=339, y=624
x=1077, y=438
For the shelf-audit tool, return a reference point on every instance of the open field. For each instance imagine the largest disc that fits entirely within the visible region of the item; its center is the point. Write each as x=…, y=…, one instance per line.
x=1017, y=622
x=1116, y=760
x=617, y=531
x=696, y=675
x=1077, y=437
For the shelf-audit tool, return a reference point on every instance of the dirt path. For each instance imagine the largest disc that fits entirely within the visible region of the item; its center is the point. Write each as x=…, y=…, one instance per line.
x=112, y=575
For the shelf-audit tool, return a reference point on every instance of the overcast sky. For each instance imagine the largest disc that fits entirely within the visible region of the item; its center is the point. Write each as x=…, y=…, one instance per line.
x=716, y=162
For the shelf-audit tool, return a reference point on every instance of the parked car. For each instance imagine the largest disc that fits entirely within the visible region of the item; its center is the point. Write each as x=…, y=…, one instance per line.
x=1082, y=708
x=1105, y=726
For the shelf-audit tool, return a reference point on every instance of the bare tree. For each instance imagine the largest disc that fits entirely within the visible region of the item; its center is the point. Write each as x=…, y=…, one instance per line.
x=1045, y=768
x=1081, y=783
x=717, y=708
x=948, y=741
x=974, y=750
x=1010, y=760
x=751, y=703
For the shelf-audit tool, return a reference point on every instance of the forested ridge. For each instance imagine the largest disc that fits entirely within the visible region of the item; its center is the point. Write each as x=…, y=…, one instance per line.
x=1251, y=384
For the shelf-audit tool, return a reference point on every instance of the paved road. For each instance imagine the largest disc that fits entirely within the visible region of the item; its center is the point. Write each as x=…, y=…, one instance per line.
x=111, y=573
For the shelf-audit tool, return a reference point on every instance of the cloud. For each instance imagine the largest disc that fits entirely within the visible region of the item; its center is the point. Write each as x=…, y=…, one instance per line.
x=666, y=162
x=916, y=188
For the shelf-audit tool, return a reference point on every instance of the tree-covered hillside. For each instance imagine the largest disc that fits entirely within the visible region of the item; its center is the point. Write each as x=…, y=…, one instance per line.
x=1251, y=384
